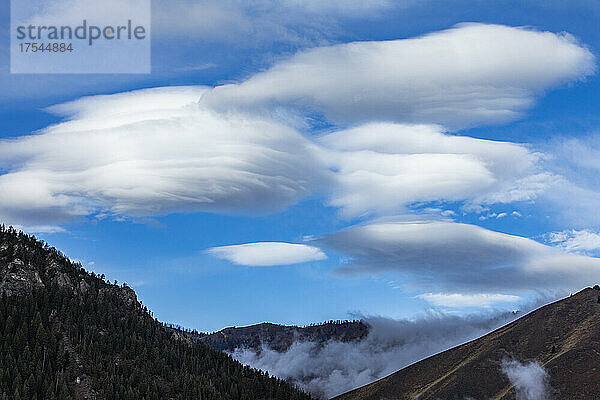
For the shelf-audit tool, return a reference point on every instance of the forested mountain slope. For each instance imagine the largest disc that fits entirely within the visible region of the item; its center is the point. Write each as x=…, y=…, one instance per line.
x=69, y=334
x=281, y=337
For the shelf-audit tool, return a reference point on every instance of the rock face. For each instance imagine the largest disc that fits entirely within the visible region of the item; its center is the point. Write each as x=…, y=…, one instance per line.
x=128, y=295
x=63, y=280
x=83, y=287
x=19, y=278
x=563, y=337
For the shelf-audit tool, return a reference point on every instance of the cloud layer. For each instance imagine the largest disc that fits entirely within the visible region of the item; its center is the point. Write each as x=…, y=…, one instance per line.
x=264, y=254
x=158, y=151
x=575, y=241
x=153, y=152
x=249, y=24
x=328, y=369
x=468, y=300
x=575, y=160
x=455, y=257
x=530, y=380
x=239, y=22
x=468, y=75
x=383, y=167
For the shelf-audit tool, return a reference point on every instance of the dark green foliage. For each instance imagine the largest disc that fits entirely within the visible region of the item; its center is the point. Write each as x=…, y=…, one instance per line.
x=95, y=340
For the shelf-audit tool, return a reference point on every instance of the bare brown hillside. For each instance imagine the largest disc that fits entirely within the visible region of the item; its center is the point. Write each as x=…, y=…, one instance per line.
x=563, y=336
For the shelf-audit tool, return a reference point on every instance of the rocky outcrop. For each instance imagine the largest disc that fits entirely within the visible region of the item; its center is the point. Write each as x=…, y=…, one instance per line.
x=83, y=287
x=19, y=278
x=63, y=280
x=128, y=295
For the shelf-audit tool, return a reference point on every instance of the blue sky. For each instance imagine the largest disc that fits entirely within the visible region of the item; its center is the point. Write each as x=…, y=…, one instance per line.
x=392, y=246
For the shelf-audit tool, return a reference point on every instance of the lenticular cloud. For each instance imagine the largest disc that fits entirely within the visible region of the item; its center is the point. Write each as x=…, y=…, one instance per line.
x=383, y=168
x=263, y=254
x=158, y=151
x=153, y=152
x=226, y=150
x=450, y=256
x=468, y=75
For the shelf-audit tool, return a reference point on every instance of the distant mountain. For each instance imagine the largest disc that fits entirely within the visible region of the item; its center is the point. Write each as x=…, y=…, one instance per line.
x=69, y=334
x=281, y=337
x=562, y=337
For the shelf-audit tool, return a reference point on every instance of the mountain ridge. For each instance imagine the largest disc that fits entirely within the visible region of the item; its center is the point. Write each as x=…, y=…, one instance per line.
x=280, y=337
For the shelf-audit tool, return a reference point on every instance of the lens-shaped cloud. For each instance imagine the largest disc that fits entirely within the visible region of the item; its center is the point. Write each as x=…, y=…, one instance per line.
x=383, y=167
x=264, y=254
x=468, y=75
x=468, y=300
x=153, y=152
x=447, y=256
x=158, y=151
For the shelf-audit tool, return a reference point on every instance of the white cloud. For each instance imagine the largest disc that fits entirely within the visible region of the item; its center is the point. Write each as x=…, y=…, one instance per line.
x=501, y=215
x=156, y=151
x=153, y=152
x=343, y=7
x=530, y=380
x=384, y=167
x=459, y=258
x=328, y=369
x=264, y=254
x=164, y=150
x=243, y=23
x=468, y=300
x=574, y=198
x=206, y=20
x=234, y=21
x=471, y=74
x=576, y=241
x=72, y=12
